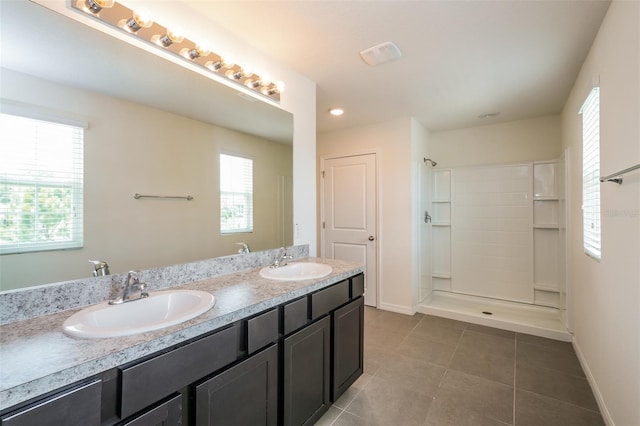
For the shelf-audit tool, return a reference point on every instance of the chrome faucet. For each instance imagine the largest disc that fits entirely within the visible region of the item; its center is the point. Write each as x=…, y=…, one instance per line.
x=133, y=290
x=281, y=259
x=100, y=268
x=244, y=249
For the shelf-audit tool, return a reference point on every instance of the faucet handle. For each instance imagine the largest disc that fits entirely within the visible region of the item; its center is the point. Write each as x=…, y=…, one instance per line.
x=244, y=249
x=100, y=268
x=132, y=278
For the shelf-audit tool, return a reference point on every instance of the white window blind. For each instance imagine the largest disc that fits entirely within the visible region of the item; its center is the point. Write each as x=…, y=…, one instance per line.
x=236, y=194
x=41, y=185
x=591, y=173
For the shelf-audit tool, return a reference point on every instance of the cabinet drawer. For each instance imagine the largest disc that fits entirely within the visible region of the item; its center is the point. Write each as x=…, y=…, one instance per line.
x=167, y=413
x=77, y=406
x=329, y=298
x=262, y=330
x=357, y=286
x=296, y=315
x=150, y=381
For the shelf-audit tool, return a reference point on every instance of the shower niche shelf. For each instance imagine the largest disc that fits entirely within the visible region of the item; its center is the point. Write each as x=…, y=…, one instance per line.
x=546, y=233
x=441, y=230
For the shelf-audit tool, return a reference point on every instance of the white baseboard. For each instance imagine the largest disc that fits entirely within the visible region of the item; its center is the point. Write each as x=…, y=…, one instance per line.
x=594, y=386
x=400, y=309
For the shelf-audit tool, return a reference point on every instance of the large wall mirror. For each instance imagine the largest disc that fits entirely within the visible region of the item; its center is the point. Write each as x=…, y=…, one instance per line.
x=153, y=128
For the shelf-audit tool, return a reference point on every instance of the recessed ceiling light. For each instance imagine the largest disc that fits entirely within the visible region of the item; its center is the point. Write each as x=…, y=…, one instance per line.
x=336, y=111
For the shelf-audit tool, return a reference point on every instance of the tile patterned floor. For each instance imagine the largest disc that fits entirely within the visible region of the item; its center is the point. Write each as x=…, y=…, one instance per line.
x=430, y=371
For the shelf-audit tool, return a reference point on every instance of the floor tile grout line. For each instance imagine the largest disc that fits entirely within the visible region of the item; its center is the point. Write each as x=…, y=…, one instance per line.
x=453, y=353
x=560, y=401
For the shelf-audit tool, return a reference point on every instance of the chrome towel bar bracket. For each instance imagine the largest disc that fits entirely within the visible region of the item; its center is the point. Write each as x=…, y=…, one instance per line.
x=617, y=177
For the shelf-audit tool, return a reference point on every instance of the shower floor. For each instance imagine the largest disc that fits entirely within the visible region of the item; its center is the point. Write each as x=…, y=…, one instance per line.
x=519, y=317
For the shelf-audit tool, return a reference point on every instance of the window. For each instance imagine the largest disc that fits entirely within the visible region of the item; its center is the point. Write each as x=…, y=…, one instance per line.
x=236, y=194
x=591, y=173
x=41, y=180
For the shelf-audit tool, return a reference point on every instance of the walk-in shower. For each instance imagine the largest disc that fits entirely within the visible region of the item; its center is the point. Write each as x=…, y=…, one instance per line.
x=496, y=244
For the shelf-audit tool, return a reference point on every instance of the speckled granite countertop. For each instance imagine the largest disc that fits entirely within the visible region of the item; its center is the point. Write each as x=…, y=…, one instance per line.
x=37, y=357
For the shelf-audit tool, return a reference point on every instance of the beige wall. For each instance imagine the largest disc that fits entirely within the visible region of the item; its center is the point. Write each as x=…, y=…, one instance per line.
x=392, y=143
x=516, y=141
x=131, y=148
x=298, y=98
x=606, y=293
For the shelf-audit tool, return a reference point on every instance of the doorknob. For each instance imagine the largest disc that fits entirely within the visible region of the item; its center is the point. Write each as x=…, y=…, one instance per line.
x=371, y=238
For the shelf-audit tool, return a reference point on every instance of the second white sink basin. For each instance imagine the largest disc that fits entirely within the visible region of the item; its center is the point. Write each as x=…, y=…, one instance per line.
x=161, y=309
x=296, y=271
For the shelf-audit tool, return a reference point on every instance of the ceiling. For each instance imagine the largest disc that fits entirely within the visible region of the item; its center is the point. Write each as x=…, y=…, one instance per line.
x=73, y=54
x=461, y=59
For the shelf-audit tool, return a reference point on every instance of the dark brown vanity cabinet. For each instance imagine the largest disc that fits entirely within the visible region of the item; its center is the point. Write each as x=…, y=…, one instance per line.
x=245, y=394
x=307, y=364
x=79, y=405
x=166, y=413
x=284, y=365
x=348, y=346
x=321, y=360
x=144, y=383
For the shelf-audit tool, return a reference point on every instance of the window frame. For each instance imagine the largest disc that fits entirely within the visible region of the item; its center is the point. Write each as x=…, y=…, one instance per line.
x=591, y=200
x=73, y=182
x=247, y=195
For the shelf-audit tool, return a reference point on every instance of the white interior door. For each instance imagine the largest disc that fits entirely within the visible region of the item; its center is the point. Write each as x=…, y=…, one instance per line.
x=349, y=215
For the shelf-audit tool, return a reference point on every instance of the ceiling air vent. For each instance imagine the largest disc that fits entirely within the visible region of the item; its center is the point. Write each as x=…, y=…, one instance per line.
x=383, y=52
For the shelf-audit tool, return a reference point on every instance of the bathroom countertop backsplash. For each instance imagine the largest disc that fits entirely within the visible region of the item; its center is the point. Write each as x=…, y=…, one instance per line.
x=37, y=357
x=18, y=305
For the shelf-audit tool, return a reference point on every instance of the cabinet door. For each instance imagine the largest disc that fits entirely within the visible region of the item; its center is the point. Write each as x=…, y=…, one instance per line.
x=168, y=413
x=244, y=395
x=306, y=374
x=348, y=349
x=78, y=406
x=147, y=382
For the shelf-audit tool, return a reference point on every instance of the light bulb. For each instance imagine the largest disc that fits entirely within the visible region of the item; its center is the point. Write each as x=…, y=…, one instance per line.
x=214, y=66
x=195, y=53
x=233, y=74
x=337, y=111
x=139, y=20
x=270, y=90
x=168, y=39
x=253, y=83
x=94, y=6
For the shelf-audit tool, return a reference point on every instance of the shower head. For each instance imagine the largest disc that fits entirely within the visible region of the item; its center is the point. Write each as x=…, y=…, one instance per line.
x=433, y=163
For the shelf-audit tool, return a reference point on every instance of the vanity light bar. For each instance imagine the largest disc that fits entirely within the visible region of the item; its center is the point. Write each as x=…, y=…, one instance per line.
x=116, y=15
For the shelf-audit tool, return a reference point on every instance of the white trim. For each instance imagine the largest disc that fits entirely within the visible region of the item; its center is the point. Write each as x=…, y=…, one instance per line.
x=21, y=109
x=400, y=309
x=606, y=416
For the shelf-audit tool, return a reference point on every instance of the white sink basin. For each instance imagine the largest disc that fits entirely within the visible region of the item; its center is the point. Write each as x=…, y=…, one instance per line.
x=296, y=271
x=161, y=309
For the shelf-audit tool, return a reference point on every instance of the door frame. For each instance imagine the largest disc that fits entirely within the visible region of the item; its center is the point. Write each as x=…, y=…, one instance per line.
x=321, y=217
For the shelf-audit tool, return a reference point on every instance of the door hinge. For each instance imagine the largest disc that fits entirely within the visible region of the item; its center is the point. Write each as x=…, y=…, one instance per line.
x=322, y=225
x=323, y=174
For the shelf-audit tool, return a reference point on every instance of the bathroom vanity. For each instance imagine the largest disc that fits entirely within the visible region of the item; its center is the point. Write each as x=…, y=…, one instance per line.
x=268, y=353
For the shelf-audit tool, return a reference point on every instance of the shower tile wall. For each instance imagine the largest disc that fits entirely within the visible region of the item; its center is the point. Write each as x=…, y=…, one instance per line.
x=491, y=233
x=498, y=232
